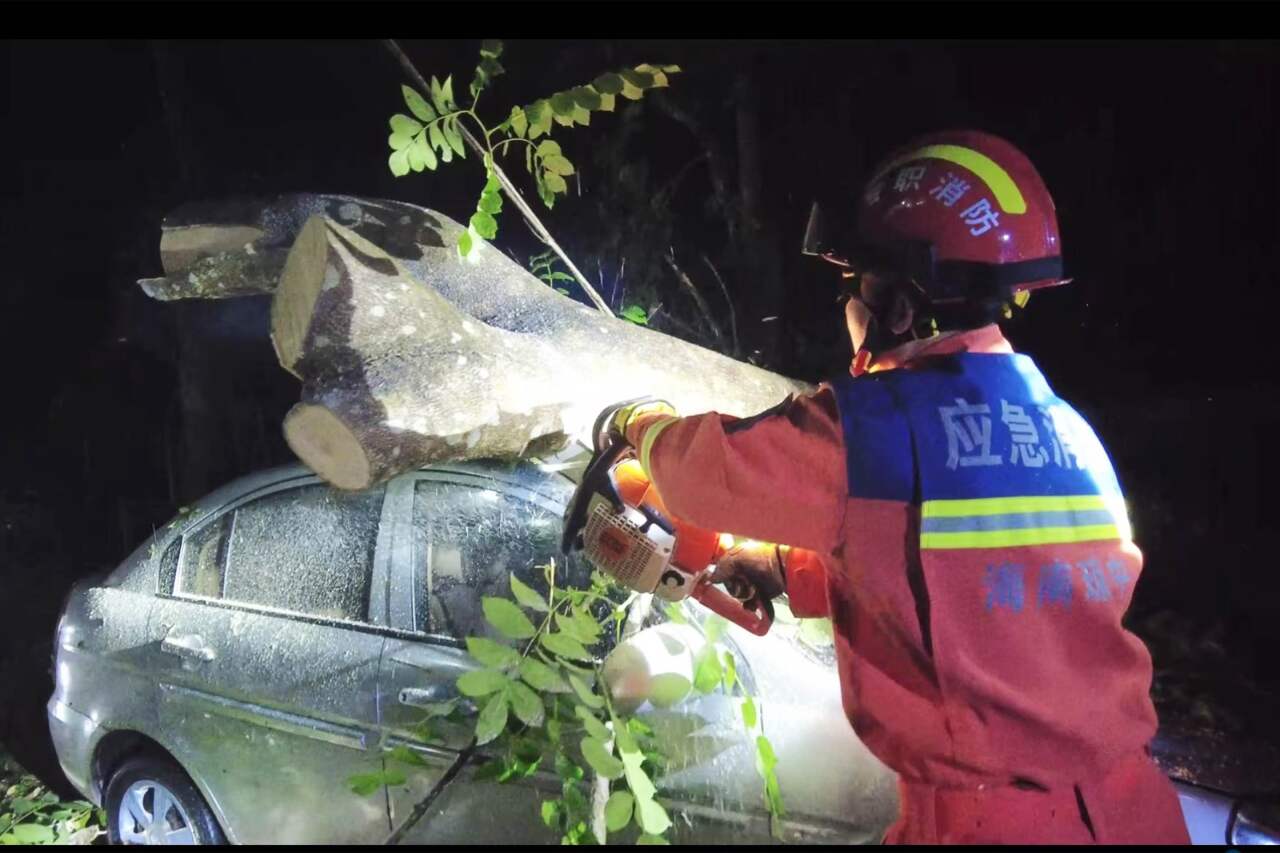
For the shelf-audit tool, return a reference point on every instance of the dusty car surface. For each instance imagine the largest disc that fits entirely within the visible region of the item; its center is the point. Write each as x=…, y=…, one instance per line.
x=277, y=638
x=231, y=675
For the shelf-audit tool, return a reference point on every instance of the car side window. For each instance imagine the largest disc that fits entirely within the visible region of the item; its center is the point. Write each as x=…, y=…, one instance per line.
x=203, y=556
x=307, y=550
x=466, y=541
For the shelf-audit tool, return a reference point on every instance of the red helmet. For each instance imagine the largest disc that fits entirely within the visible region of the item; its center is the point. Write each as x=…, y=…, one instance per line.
x=963, y=214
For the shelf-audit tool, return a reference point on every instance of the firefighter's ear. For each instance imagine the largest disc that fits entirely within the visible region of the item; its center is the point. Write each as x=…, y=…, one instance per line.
x=902, y=314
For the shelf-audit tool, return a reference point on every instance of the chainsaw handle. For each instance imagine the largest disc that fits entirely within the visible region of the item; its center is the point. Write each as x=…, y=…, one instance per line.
x=755, y=615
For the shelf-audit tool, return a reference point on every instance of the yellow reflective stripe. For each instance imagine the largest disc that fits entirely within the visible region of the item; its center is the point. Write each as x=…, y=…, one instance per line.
x=651, y=434
x=1007, y=194
x=1019, y=536
x=1004, y=506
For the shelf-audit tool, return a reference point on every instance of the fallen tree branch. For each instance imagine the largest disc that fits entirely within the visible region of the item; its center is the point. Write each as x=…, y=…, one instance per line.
x=507, y=186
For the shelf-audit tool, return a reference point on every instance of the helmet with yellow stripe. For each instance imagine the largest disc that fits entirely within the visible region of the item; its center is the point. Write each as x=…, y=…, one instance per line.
x=963, y=215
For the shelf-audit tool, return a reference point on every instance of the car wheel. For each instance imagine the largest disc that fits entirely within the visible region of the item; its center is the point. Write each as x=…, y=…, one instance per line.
x=151, y=801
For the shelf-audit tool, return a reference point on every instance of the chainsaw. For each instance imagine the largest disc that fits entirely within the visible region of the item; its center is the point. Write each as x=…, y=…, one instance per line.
x=618, y=521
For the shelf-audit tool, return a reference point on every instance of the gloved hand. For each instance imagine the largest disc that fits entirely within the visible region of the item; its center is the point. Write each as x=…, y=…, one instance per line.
x=620, y=416
x=749, y=569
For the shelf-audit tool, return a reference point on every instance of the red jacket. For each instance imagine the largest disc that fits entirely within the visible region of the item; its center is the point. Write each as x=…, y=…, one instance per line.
x=973, y=552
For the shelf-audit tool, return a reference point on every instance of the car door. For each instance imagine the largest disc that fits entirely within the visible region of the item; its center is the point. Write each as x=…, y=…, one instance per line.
x=267, y=657
x=464, y=535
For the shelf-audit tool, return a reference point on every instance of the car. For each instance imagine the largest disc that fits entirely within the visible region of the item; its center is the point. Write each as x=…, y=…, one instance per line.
x=280, y=637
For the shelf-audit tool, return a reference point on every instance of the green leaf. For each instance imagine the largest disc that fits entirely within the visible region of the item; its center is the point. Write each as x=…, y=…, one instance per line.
x=632, y=93
x=399, y=162
x=730, y=671
x=32, y=833
x=714, y=627
x=464, y=243
x=638, y=727
x=522, y=591
x=482, y=682
x=405, y=755
x=404, y=126
x=565, y=121
x=504, y=614
x=491, y=184
x=601, y=759
x=542, y=677
x=365, y=784
x=550, y=812
x=437, y=96
x=565, y=646
x=484, y=224
x=398, y=141
x=527, y=705
x=766, y=760
x=492, y=654
x=585, y=97
x=446, y=91
x=453, y=137
x=519, y=121
x=417, y=105
x=420, y=154
x=617, y=811
x=607, y=103
x=491, y=47
x=437, y=139
x=670, y=69
x=635, y=314
x=554, y=183
x=548, y=148
x=581, y=116
x=674, y=611
x=492, y=203
x=566, y=769
x=708, y=674
x=562, y=104
x=539, y=113
x=492, y=720
x=608, y=84
x=659, y=78
x=585, y=693
x=594, y=727
x=491, y=67
x=652, y=817
x=652, y=839
x=749, y=713
x=636, y=77
x=562, y=276
x=558, y=164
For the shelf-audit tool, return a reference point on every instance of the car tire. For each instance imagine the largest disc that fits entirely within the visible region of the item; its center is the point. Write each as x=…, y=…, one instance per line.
x=187, y=818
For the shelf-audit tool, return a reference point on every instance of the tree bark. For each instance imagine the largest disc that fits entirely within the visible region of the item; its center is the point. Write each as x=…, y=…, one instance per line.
x=410, y=355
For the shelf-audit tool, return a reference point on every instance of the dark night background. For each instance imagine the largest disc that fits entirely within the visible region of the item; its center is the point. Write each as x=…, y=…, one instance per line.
x=1162, y=158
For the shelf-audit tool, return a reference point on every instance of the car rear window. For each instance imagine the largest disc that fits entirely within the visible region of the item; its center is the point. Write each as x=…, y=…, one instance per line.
x=307, y=550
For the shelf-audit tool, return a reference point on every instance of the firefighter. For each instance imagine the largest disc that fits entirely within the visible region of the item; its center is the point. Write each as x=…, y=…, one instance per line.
x=960, y=524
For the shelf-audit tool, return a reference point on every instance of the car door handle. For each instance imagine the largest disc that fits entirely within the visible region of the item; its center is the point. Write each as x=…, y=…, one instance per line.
x=420, y=697
x=190, y=647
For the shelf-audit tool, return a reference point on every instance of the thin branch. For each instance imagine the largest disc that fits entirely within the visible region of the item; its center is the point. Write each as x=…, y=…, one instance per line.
x=703, y=308
x=733, y=315
x=508, y=187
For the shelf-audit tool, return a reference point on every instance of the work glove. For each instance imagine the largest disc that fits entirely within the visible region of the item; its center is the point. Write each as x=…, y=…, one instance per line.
x=619, y=417
x=749, y=569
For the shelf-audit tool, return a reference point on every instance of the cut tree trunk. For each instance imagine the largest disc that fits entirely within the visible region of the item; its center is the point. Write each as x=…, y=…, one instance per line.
x=410, y=355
